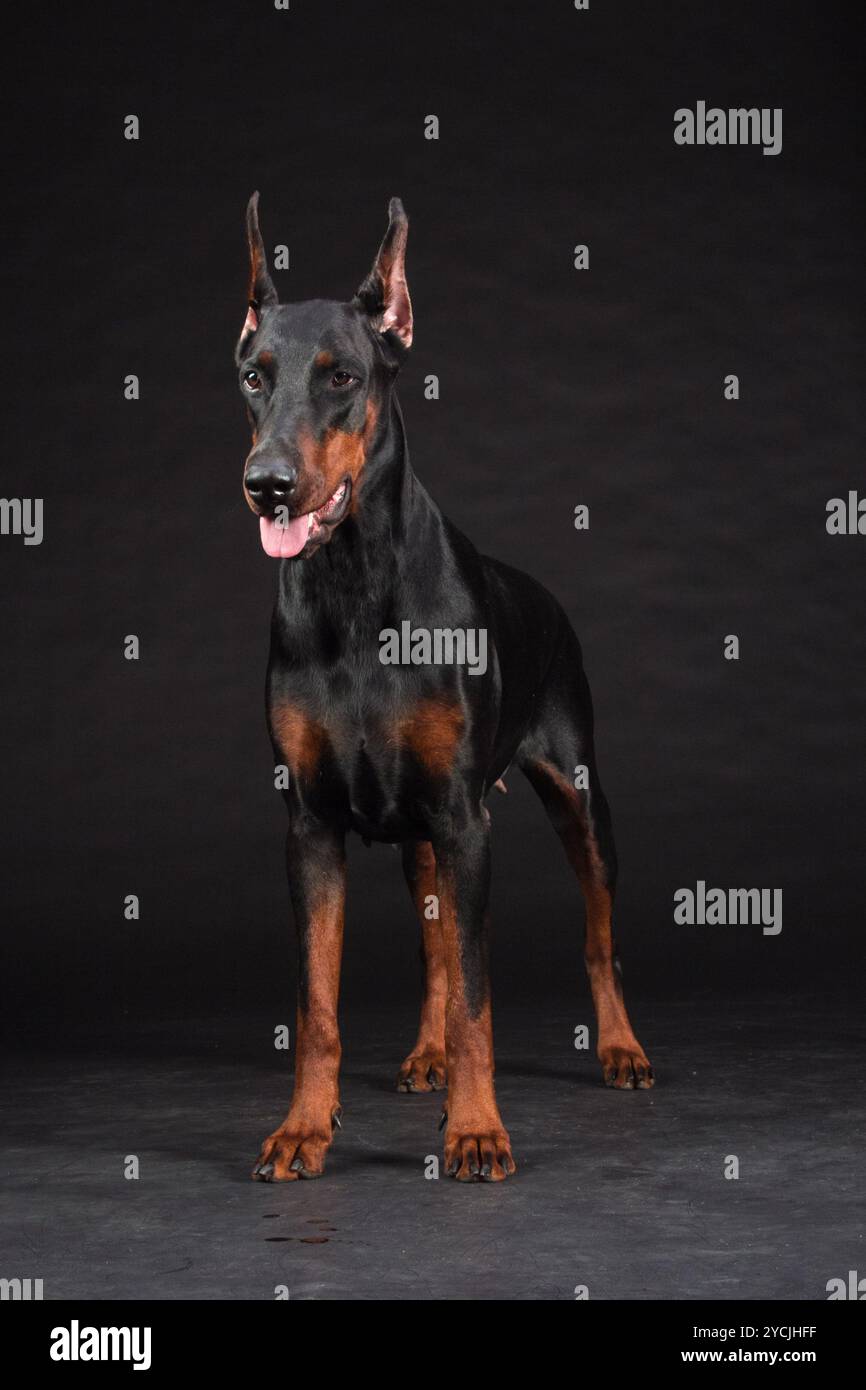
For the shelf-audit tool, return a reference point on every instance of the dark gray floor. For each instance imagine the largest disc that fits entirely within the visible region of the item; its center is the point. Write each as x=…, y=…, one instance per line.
x=623, y=1193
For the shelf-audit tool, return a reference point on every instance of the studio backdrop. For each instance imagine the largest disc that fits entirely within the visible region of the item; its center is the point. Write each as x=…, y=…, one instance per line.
x=634, y=375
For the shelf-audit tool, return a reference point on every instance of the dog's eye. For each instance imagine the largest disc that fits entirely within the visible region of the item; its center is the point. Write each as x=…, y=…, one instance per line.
x=342, y=378
x=253, y=382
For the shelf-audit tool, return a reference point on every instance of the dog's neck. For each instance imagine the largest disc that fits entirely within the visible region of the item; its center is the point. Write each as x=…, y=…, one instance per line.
x=392, y=540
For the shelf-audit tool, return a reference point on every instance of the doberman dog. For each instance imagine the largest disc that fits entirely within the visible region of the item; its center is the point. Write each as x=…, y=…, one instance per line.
x=403, y=753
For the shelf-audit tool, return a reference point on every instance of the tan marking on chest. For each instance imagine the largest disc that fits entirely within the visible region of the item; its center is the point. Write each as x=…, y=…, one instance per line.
x=300, y=738
x=432, y=732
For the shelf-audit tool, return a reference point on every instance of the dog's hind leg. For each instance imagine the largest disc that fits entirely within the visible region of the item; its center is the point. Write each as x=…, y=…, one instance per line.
x=558, y=757
x=424, y=1068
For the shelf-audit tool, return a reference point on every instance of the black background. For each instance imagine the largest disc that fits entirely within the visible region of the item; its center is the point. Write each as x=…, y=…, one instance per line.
x=557, y=387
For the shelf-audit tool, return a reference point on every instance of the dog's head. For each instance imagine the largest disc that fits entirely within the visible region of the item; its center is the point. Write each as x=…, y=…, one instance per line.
x=314, y=377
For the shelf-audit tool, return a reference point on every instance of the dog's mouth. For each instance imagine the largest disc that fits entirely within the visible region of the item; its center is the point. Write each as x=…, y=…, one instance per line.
x=283, y=538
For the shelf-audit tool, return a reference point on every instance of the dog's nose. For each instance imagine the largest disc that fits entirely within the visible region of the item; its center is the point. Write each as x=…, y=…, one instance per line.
x=269, y=487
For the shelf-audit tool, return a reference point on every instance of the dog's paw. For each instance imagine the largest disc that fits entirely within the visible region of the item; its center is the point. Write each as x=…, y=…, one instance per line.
x=626, y=1067
x=295, y=1150
x=478, y=1153
x=423, y=1071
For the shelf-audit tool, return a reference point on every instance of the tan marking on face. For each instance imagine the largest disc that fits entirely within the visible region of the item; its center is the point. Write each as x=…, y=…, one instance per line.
x=432, y=731
x=300, y=739
x=323, y=359
x=337, y=455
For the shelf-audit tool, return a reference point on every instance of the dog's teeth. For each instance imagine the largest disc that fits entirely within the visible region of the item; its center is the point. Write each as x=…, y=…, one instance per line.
x=309, y=523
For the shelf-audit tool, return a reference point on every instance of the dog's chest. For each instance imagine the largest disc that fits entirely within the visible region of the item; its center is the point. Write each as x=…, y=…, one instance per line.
x=382, y=769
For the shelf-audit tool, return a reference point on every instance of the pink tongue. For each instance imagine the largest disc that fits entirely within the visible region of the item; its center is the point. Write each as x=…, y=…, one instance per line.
x=282, y=542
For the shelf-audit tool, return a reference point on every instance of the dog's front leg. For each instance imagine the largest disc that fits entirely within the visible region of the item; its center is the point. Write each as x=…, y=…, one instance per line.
x=476, y=1142
x=317, y=880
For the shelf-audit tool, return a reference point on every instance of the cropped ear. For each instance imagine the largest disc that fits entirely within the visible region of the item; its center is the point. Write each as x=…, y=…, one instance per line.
x=384, y=295
x=260, y=290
